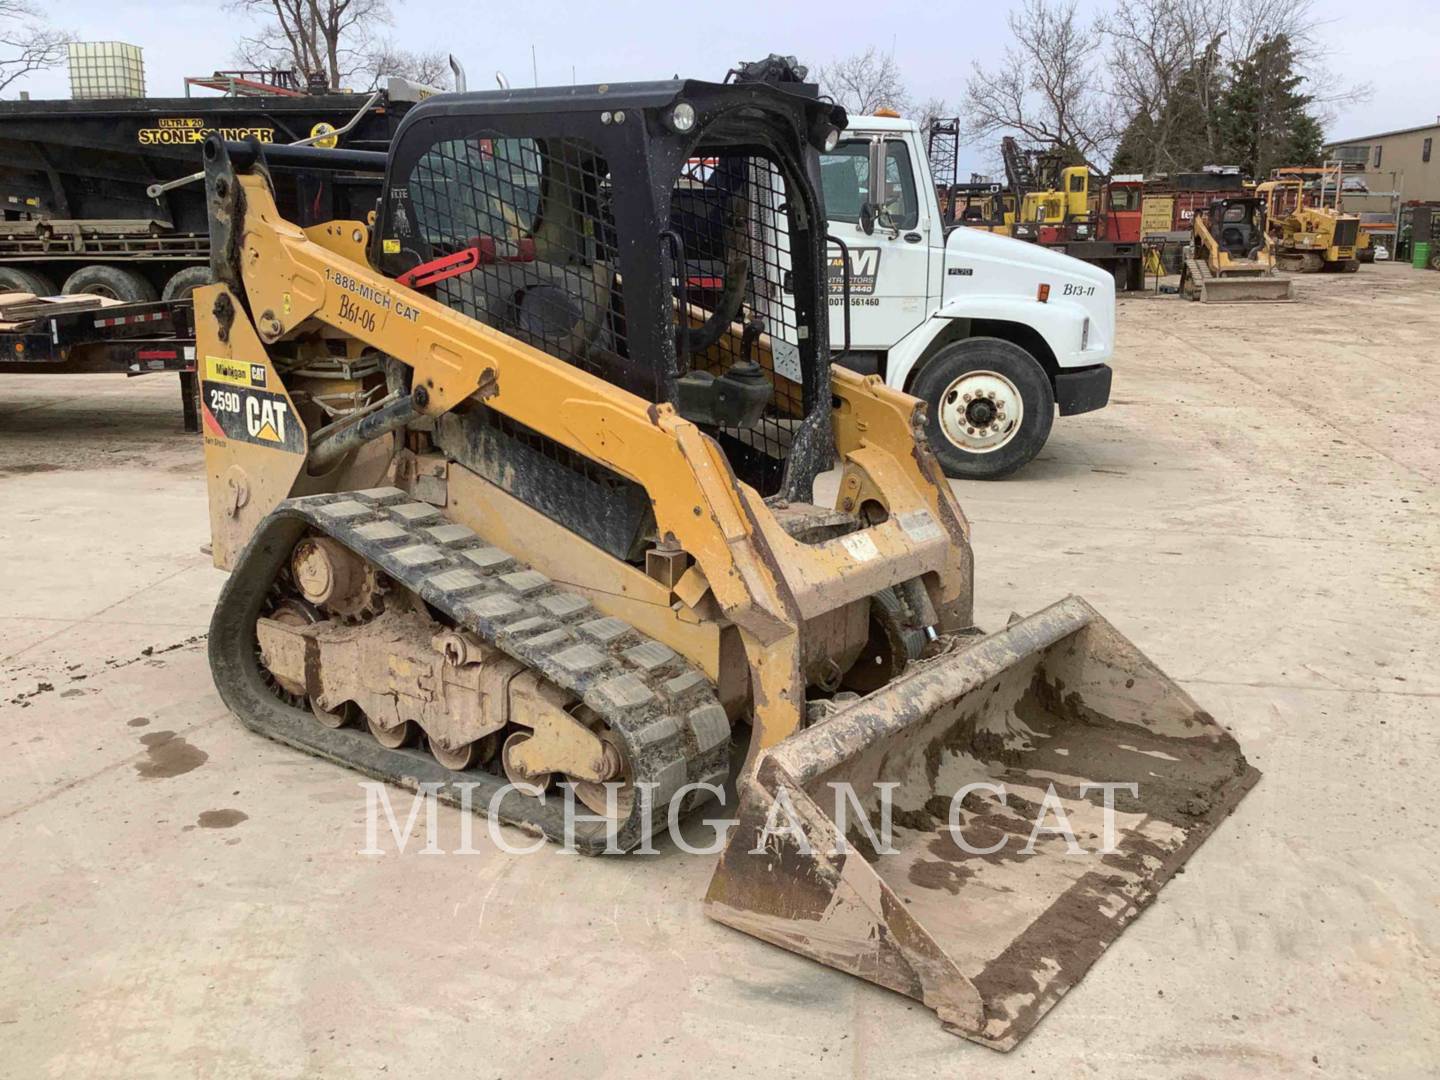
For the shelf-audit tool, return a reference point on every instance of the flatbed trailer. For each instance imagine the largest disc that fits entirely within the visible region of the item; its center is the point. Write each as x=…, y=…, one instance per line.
x=137, y=339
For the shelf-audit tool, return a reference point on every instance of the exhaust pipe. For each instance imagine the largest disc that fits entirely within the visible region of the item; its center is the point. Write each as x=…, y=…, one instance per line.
x=459, y=71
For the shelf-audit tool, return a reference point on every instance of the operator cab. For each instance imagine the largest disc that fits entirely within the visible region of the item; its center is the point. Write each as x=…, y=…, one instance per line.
x=666, y=237
x=1238, y=226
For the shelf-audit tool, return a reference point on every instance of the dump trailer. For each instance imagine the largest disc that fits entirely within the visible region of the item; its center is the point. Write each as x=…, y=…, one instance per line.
x=77, y=212
x=505, y=502
x=1229, y=259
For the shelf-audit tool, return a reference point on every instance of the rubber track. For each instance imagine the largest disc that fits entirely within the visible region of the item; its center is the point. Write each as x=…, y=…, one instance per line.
x=662, y=707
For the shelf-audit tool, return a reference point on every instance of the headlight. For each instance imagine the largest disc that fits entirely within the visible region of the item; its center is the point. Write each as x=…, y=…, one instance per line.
x=682, y=117
x=832, y=139
x=1082, y=230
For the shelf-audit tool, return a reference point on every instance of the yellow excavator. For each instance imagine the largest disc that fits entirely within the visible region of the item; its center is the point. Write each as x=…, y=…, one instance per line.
x=540, y=482
x=1307, y=239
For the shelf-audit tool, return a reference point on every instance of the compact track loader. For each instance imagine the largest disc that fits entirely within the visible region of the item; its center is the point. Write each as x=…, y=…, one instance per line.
x=1230, y=260
x=517, y=485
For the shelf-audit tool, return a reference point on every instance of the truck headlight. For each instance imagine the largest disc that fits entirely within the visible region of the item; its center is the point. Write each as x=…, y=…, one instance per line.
x=1082, y=230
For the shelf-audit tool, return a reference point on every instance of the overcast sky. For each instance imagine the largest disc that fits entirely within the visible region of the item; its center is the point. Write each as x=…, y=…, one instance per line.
x=1391, y=44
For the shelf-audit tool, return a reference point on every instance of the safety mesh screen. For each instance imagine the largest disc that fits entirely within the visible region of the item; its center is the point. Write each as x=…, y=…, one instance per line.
x=731, y=215
x=534, y=215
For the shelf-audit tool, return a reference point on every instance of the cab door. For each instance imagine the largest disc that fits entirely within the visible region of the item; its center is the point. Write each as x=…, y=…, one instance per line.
x=889, y=267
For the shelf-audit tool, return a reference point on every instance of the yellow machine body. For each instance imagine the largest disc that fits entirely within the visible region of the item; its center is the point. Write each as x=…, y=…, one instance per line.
x=428, y=600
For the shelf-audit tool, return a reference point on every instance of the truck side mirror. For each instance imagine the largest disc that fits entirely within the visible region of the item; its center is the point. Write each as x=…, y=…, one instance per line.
x=875, y=193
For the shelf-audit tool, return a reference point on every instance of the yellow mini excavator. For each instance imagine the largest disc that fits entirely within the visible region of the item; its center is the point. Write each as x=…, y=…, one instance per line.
x=517, y=486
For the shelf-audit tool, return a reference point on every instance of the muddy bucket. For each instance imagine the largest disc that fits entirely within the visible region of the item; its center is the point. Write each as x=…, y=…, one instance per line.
x=970, y=908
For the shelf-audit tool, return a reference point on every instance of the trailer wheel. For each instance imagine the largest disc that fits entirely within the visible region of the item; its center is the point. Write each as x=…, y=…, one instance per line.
x=990, y=407
x=186, y=281
x=18, y=279
x=115, y=282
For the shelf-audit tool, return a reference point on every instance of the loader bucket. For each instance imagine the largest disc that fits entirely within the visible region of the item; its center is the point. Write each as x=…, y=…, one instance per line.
x=992, y=936
x=1246, y=289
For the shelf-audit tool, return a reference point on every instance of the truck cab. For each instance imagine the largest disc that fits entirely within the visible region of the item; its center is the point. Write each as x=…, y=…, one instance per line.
x=995, y=334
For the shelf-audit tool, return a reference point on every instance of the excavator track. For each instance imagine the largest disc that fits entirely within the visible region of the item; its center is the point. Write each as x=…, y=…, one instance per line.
x=672, y=729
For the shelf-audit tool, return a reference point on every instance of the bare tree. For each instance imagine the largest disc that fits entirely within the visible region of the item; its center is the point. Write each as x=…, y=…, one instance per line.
x=27, y=42
x=1170, y=62
x=322, y=39
x=1253, y=22
x=430, y=68
x=864, y=82
x=1164, y=54
x=932, y=108
x=1046, y=88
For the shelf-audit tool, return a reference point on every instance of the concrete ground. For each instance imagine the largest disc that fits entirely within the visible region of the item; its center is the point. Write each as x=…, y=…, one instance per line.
x=1257, y=510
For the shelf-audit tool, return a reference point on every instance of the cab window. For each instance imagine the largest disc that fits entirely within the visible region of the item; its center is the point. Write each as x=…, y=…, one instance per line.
x=1124, y=198
x=468, y=188
x=845, y=178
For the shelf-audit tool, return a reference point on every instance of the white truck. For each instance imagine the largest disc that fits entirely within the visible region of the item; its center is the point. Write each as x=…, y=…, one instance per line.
x=992, y=333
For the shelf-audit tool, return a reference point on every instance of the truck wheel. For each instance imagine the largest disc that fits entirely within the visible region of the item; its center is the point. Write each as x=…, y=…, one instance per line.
x=17, y=279
x=186, y=281
x=990, y=407
x=115, y=282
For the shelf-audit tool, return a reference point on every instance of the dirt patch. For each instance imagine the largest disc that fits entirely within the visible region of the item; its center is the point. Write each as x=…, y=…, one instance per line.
x=27, y=469
x=23, y=700
x=139, y=721
x=168, y=755
x=221, y=819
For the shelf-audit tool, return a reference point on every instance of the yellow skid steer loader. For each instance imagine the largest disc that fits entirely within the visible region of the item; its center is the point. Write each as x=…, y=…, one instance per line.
x=516, y=482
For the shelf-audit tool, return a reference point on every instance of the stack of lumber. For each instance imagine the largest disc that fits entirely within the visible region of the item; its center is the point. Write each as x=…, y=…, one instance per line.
x=18, y=309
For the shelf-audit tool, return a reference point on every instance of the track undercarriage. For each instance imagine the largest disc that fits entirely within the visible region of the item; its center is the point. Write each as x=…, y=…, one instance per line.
x=361, y=626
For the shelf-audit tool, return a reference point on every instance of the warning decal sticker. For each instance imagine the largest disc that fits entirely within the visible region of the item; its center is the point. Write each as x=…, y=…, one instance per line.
x=253, y=416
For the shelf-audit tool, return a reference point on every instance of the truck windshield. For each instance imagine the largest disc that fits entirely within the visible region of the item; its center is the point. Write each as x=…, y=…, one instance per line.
x=845, y=176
